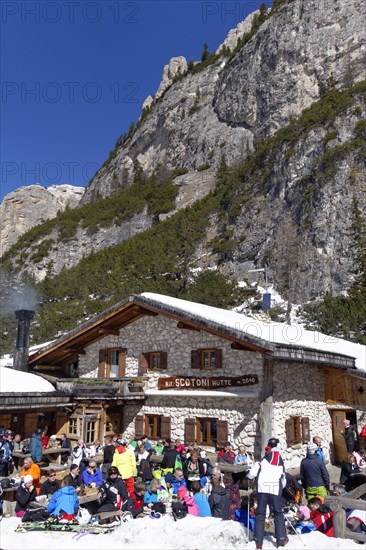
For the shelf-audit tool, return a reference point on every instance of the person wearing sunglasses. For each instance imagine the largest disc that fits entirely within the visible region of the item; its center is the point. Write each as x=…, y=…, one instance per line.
x=114, y=495
x=92, y=475
x=51, y=485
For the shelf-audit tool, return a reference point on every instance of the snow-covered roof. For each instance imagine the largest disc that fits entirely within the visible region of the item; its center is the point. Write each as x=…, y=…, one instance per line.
x=14, y=381
x=278, y=340
x=273, y=332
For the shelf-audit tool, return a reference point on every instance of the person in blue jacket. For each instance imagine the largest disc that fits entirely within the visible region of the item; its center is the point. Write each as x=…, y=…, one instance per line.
x=36, y=445
x=179, y=480
x=64, y=502
x=201, y=500
x=92, y=474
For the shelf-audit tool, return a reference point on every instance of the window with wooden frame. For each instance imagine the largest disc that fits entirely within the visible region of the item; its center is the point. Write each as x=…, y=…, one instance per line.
x=73, y=426
x=90, y=430
x=155, y=426
x=206, y=431
x=153, y=360
x=112, y=363
x=297, y=430
x=206, y=359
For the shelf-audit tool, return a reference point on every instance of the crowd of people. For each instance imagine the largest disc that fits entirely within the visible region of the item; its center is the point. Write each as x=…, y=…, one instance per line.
x=126, y=480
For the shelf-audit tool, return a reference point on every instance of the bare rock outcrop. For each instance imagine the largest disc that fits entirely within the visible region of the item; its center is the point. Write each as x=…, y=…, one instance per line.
x=29, y=206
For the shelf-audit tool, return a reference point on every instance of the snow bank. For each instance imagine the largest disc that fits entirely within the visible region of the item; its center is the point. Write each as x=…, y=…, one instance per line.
x=190, y=533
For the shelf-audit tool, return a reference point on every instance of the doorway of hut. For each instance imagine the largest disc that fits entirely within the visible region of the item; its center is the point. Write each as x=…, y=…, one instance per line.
x=339, y=444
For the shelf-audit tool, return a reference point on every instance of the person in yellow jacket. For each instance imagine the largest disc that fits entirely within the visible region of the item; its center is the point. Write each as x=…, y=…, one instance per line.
x=125, y=461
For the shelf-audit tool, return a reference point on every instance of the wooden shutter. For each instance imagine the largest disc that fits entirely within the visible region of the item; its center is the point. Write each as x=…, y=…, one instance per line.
x=305, y=429
x=163, y=360
x=121, y=362
x=290, y=432
x=222, y=432
x=189, y=430
x=102, y=363
x=165, y=427
x=218, y=358
x=139, y=426
x=143, y=363
x=196, y=359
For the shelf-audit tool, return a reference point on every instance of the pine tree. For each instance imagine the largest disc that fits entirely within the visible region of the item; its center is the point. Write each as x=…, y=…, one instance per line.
x=205, y=54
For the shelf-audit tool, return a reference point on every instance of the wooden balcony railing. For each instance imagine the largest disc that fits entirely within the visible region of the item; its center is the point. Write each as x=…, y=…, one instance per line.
x=102, y=387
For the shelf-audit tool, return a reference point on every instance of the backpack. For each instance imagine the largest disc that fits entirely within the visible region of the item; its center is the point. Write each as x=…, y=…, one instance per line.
x=159, y=507
x=35, y=514
x=293, y=490
x=5, y=483
x=179, y=510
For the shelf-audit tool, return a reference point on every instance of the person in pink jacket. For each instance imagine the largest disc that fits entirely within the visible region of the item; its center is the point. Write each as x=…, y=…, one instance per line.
x=184, y=496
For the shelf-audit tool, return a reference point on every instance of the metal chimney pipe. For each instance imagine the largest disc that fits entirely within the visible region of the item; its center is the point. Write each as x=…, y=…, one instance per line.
x=21, y=352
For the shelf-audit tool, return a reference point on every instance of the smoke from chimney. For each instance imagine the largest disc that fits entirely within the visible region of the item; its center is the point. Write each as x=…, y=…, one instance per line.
x=21, y=352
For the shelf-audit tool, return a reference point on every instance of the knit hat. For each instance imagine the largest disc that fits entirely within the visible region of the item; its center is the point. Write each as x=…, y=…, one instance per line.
x=169, y=478
x=304, y=513
x=346, y=422
x=182, y=491
x=27, y=479
x=311, y=448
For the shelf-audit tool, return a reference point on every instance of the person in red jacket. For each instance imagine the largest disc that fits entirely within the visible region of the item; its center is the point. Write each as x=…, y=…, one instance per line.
x=138, y=499
x=322, y=516
x=226, y=454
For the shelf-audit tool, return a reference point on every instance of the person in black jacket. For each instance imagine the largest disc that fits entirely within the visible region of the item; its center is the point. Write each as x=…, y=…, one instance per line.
x=115, y=495
x=74, y=477
x=349, y=436
x=219, y=500
x=169, y=456
x=65, y=444
x=314, y=474
x=25, y=494
x=108, y=452
x=348, y=471
x=51, y=485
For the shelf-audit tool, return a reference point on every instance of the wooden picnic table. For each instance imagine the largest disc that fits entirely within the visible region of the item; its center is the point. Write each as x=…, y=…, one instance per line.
x=53, y=455
x=20, y=456
x=96, y=458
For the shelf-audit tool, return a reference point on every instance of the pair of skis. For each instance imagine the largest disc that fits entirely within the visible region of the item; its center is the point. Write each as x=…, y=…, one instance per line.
x=90, y=528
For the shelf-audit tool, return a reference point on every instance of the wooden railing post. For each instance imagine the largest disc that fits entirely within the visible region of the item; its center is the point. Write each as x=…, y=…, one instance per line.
x=339, y=520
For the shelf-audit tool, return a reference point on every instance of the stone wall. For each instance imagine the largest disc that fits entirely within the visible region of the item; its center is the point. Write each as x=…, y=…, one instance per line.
x=299, y=390
x=161, y=334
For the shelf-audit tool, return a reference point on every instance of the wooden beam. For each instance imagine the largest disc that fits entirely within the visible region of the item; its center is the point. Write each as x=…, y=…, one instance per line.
x=185, y=326
x=48, y=367
x=148, y=313
x=79, y=351
x=111, y=331
x=238, y=346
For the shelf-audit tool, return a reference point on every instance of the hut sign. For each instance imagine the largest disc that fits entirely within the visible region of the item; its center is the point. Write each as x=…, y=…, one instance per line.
x=189, y=382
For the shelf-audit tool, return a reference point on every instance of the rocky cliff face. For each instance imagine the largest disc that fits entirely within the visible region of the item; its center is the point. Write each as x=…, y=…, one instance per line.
x=302, y=49
x=298, y=217
x=29, y=206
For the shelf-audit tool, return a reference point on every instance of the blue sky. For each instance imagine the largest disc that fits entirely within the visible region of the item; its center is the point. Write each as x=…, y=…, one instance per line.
x=75, y=74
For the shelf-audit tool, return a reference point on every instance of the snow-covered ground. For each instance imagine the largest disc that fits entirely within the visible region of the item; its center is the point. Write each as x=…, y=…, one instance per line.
x=190, y=533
